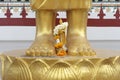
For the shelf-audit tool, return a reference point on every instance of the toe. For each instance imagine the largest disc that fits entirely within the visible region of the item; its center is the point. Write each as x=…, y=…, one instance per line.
x=51, y=52
x=32, y=52
x=37, y=53
x=28, y=53
x=80, y=51
x=42, y=53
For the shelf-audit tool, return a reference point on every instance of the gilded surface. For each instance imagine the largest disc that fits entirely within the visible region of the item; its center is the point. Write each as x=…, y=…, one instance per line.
x=17, y=68
x=77, y=13
x=62, y=68
x=60, y=4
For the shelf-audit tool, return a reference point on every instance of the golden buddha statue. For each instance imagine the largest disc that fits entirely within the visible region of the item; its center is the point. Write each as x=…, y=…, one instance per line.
x=104, y=66
x=77, y=13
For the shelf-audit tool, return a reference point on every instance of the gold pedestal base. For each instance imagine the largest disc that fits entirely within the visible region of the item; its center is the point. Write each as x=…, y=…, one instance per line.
x=104, y=66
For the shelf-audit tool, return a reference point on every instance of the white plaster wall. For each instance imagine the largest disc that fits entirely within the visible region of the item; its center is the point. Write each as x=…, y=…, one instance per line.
x=97, y=44
x=28, y=33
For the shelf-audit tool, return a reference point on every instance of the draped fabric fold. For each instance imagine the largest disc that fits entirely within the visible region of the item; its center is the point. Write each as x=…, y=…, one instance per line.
x=60, y=4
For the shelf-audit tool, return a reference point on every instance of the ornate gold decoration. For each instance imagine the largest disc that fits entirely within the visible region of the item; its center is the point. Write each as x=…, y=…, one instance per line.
x=59, y=68
x=77, y=13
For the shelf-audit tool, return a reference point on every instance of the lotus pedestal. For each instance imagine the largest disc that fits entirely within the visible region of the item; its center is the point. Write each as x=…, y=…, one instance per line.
x=104, y=66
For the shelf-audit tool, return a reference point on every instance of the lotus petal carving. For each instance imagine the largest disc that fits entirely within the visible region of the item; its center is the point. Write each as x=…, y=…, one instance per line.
x=60, y=71
x=38, y=69
x=17, y=68
x=18, y=71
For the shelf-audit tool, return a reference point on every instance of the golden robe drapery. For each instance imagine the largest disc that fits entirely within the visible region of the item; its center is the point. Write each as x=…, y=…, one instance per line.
x=60, y=4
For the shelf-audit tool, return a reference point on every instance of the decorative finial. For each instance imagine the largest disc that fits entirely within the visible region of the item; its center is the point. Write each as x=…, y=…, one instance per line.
x=60, y=21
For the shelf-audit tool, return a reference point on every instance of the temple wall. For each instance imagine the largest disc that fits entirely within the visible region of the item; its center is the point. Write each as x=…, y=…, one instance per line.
x=97, y=44
x=28, y=33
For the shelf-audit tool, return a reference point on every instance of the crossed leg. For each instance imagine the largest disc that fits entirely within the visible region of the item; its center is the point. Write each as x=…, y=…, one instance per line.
x=77, y=40
x=44, y=42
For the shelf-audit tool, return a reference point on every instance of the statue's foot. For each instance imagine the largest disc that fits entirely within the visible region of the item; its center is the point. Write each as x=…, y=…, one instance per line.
x=42, y=46
x=80, y=47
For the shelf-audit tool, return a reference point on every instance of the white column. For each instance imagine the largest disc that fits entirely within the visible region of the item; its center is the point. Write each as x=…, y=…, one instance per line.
x=13, y=0
x=96, y=0
x=112, y=0
x=106, y=0
x=6, y=0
